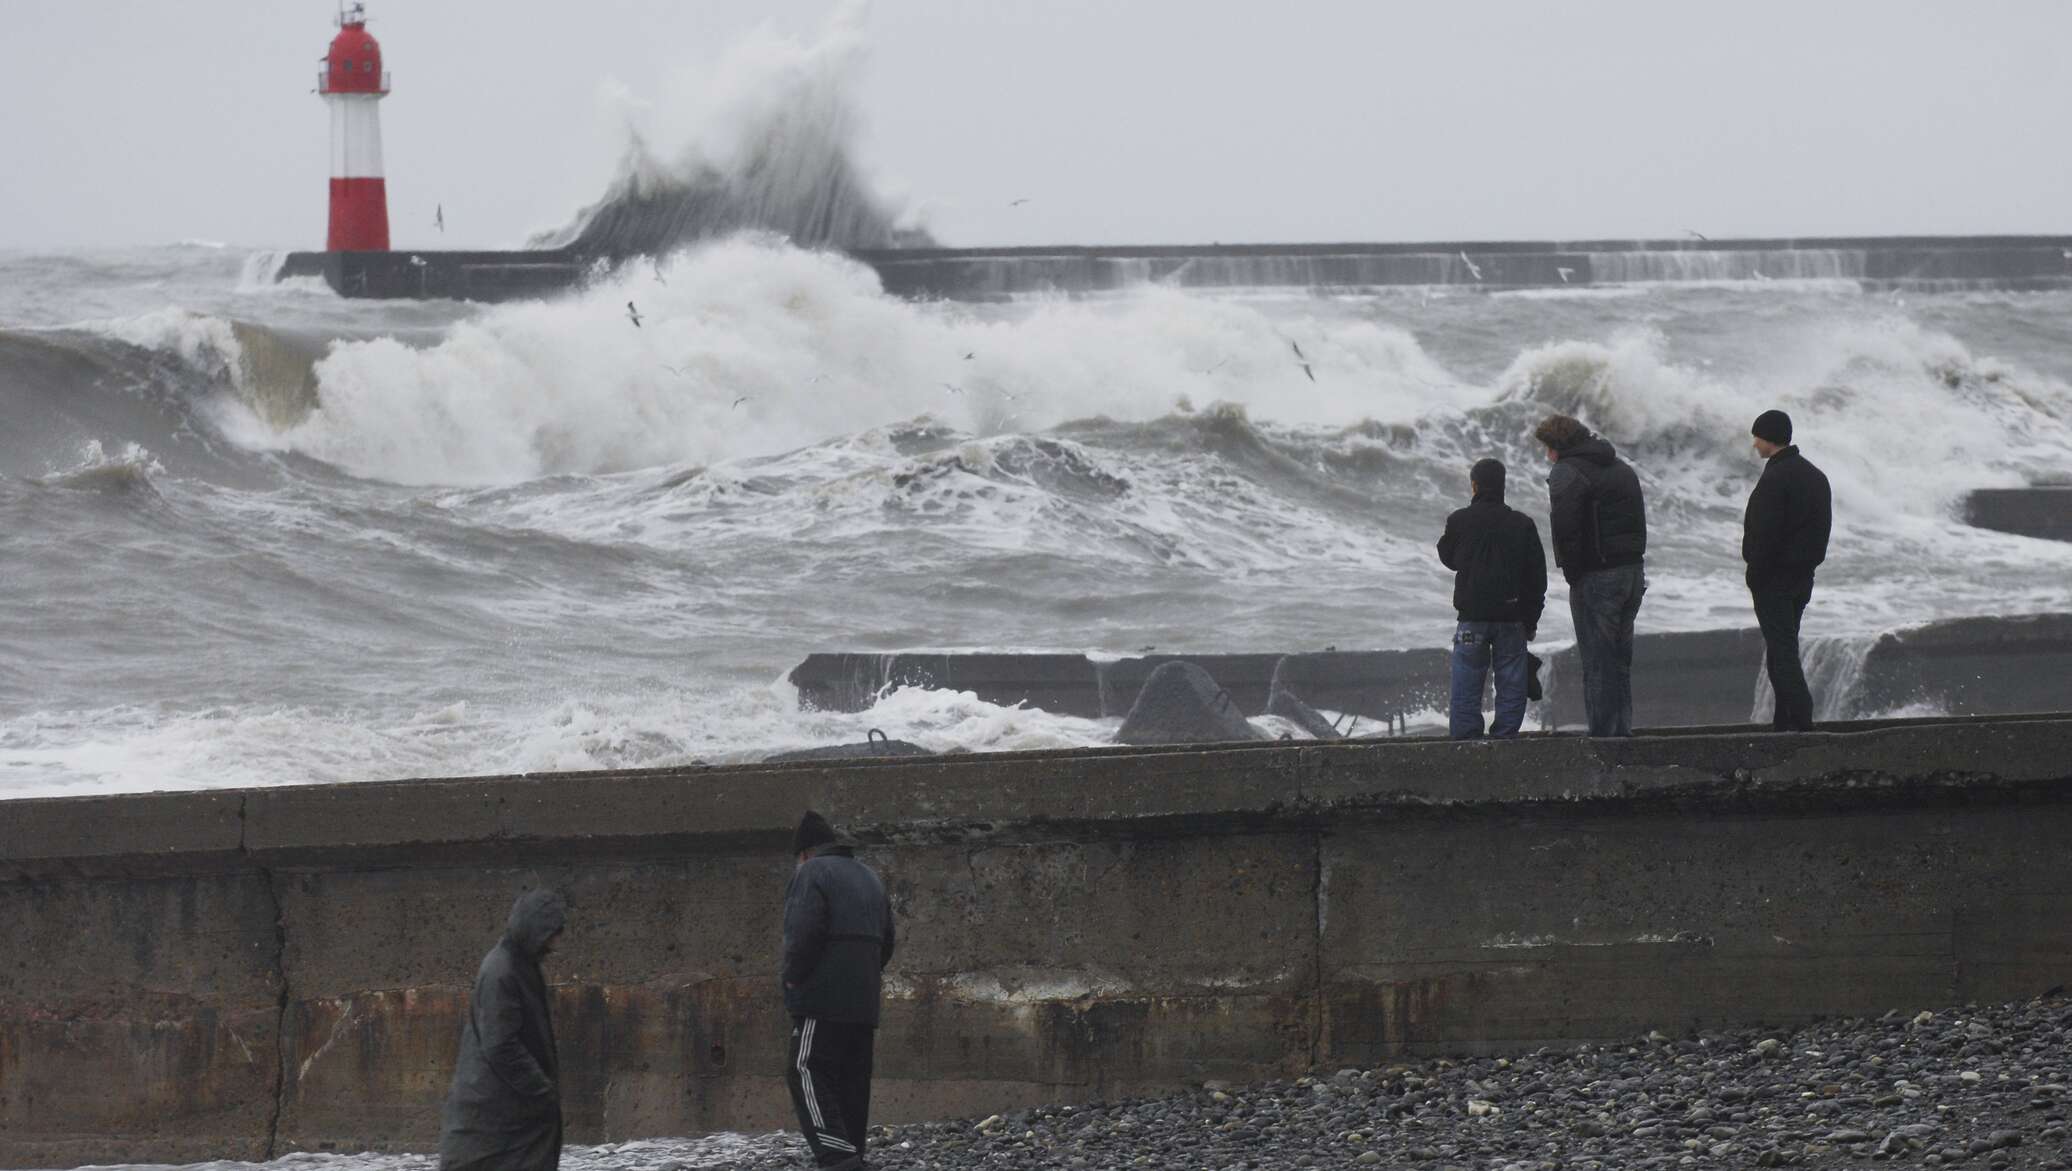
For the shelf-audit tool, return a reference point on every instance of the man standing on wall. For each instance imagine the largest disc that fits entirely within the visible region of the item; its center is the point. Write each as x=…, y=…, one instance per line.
x=1600, y=542
x=1783, y=538
x=503, y=1112
x=1499, y=589
x=838, y=938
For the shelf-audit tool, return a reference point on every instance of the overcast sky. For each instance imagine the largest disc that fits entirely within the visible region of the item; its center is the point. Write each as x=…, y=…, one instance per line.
x=1143, y=121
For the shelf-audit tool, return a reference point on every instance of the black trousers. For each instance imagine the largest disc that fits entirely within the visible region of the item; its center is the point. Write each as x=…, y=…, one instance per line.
x=1778, y=608
x=830, y=1078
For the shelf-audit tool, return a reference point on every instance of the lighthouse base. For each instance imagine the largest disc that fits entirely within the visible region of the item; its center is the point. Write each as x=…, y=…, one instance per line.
x=461, y=276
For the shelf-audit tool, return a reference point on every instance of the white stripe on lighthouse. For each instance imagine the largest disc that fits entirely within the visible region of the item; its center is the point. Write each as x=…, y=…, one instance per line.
x=355, y=136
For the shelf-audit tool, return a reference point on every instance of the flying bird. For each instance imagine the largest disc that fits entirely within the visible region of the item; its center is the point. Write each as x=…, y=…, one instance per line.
x=678, y=371
x=1216, y=367
x=1565, y=274
x=744, y=398
x=658, y=272
x=1696, y=235
x=633, y=314
x=1473, y=270
x=439, y=217
x=953, y=388
x=1018, y=202
x=1302, y=360
x=973, y=354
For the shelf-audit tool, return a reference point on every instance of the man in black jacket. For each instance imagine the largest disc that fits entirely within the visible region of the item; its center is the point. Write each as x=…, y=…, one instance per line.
x=1600, y=542
x=1783, y=538
x=503, y=1112
x=838, y=938
x=1499, y=589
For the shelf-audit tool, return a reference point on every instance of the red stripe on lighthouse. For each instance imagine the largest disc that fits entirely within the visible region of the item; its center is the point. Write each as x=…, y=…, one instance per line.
x=359, y=216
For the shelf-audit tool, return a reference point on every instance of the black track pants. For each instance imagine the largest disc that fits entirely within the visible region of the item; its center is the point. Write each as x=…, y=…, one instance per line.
x=1778, y=611
x=830, y=1078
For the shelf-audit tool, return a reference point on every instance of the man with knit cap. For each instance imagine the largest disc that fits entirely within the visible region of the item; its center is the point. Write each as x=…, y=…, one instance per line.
x=1783, y=538
x=838, y=937
x=503, y=1112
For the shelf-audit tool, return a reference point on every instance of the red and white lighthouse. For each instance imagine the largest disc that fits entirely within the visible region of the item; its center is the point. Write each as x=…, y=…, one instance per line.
x=353, y=84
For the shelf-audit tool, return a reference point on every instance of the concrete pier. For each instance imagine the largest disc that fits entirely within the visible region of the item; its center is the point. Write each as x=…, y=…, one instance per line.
x=1913, y=262
x=248, y=973
x=2043, y=510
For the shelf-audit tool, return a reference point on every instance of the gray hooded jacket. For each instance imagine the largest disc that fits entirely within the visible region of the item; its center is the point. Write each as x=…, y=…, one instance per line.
x=504, y=1109
x=838, y=937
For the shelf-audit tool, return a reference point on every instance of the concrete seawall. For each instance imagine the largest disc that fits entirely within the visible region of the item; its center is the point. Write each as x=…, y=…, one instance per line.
x=247, y=973
x=1963, y=667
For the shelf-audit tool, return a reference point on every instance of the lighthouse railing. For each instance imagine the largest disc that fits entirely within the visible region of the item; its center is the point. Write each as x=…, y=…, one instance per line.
x=324, y=85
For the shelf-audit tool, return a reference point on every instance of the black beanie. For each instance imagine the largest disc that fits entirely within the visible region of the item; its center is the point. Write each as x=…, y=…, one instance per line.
x=1488, y=476
x=1772, y=427
x=813, y=831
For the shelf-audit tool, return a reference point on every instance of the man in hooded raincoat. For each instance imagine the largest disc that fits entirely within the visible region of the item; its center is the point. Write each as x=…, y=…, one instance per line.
x=838, y=937
x=504, y=1109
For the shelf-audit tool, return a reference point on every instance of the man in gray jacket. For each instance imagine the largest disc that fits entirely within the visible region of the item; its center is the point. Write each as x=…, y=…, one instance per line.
x=838, y=938
x=503, y=1112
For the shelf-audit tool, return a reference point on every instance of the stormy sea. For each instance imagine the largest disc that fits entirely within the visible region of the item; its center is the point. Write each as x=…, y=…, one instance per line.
x=257, y=534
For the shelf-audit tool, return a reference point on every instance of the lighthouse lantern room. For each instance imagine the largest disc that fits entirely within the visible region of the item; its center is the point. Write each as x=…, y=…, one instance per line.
x=353, y=83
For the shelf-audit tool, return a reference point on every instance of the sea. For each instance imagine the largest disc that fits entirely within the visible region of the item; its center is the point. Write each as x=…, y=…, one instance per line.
x=256, y=534
x=253, y=533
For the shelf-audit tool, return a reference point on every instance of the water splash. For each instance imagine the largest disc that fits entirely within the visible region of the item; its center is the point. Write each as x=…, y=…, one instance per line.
x=773, y=150
x=1834, y=666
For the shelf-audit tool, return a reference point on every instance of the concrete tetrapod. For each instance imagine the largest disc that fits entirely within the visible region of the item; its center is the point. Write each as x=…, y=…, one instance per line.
x=1181, y=704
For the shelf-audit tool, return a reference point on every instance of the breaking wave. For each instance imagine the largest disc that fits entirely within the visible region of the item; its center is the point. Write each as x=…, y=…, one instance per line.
x=771, y=149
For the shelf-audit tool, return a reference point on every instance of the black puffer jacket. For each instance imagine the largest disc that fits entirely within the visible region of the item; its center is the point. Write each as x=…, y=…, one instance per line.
x=1784, y=533
x=504, y=1108
x=1596, y=512
x=838, y=937
x=1500, y=569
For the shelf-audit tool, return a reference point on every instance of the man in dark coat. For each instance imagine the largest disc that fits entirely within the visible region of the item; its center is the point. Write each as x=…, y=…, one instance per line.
x=838, y=937
x=1600, y=533
x=1499, y=589
x=1783, y=538
x=503, y=1112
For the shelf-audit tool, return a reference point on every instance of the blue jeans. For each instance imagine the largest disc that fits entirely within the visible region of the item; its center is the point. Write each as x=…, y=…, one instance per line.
x=1603, y=603
x=1477, y=646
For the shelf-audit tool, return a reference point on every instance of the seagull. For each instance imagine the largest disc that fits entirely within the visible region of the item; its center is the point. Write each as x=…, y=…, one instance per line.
x=1565, y=274
x=953, y=388
x=658, y=272
x=1473, y=270
x=744, y=398
x=439, y=217
x=674, y=370
x=1018, y=202
x=1302, y=360
x=633, y=314
x=973, y=354
x=1696, y=235
x=2067, y=253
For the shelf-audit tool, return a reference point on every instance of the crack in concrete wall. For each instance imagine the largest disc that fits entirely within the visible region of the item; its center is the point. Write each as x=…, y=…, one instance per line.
x=279, y=964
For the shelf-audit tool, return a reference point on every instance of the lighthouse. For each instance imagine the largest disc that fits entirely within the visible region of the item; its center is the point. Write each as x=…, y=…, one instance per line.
x=353, y=84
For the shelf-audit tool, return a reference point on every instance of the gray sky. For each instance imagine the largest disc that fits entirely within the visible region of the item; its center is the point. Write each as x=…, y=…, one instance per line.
x=1119, y=120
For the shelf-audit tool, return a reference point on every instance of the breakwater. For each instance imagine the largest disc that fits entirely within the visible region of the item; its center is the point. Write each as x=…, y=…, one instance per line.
x=1964, y=666
x=1913, y=262
x=246, y=973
